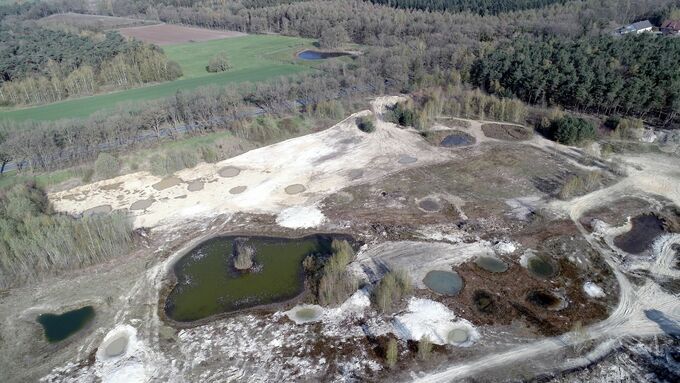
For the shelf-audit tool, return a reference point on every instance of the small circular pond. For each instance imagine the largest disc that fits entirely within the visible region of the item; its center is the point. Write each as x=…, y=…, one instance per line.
x=492, y=264
x=458, y=336
x=444, y=282
x=209, y=284
x=319, y=55
x=60, y=326
x=457, y=139
x=541, y=267
x=429, y=205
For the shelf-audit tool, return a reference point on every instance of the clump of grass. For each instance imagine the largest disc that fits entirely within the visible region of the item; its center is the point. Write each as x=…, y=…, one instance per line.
x=366, y=124
x=106, y=166
x=243, y=255
x=424, y=348
x=336, y=283
x=580, y=184
x=392, y=353
x=394, y=286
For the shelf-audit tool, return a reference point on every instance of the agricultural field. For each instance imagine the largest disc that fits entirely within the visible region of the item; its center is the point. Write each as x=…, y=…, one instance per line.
x=164, y=34
x=253, y=58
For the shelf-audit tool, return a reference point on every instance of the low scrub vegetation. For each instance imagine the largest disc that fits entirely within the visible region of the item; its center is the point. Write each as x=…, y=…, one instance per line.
x=570, y=130
x=218, y=63
x=106, y=166
x=163, y=164
x=392, y=353
x=243, y=255
x=335, y=282
x=366, y=124
x=424, y=348
x=576, y=185
x=391, y=289
x=34, y=240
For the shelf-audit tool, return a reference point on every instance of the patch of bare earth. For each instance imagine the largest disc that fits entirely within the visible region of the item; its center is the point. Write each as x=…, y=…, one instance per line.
x=507, y=132
x=166, y=34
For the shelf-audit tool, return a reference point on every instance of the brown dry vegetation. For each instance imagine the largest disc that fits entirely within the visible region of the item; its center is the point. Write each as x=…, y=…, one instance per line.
x=166, y=34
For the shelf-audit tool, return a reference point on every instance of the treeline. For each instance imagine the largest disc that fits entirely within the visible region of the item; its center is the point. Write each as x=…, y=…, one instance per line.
x=41, y=66
x=137, y=65
x=374, y=24
x=635, y=75
x=481, y=7
x=59, y=144
x=34, y=240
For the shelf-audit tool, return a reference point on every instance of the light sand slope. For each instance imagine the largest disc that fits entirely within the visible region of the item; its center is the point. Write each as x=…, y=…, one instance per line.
x=320, y=162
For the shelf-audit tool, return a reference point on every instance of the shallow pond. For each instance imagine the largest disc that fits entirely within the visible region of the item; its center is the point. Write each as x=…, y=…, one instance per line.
x=444, y=282
x=641, y=236
x=492, y=264
x=208, y=284
x=60, y=326
x=318, y=55
x=541, y=267
x=457, y=139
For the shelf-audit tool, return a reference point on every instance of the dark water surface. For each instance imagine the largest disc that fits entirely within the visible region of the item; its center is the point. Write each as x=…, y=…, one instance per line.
x=60, y=326
x=208, y=284
x=640, y=238
x=317, y=55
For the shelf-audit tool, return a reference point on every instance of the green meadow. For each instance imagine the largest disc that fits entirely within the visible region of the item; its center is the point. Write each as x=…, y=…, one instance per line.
x=253, y=58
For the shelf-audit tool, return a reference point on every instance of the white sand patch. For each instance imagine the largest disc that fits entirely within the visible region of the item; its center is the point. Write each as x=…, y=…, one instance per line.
x=505, y=247
x=131, y=366
x=300, y=217
x=593, y=290
x=321, y=162
x=427, y=318
x=526, y=256
x=354, y=306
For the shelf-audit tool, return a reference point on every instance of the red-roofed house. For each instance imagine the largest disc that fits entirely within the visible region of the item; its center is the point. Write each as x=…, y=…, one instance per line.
x=671, y=27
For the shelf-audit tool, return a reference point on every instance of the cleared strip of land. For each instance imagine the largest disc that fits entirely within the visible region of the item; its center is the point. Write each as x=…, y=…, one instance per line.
x=166, y=34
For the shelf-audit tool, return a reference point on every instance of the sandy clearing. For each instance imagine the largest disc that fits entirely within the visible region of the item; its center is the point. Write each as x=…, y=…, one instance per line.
x=166, y=34
x=323, y=162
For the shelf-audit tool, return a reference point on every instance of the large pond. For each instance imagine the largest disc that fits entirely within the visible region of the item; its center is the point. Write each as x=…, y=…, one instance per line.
x=641, y=236
x=319, y=55
x=208, y=283
x=60, y=326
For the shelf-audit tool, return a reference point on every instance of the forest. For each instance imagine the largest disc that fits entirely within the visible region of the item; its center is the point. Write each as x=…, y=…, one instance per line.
x=35, y=240
x=481, y=7
x=630, y=76
x=39, y=65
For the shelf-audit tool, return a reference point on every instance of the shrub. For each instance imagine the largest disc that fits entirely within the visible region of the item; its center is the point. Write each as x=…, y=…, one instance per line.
x=424, y=348
x=106, y=166
x=218, y=63
x=402, y=113
x=170, y=162
x=572, y=130
x=365, y=124
x=337, y=283
x=571, y=187
x=243, y=255
x=394, y=286
x=392, y=353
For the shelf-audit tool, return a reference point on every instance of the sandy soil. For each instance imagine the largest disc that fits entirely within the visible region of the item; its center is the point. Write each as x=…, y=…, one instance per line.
x=297, y=172
x=166, y=34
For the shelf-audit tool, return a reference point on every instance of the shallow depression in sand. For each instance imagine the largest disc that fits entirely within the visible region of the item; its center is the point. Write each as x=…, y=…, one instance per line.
x=117, y=346
x=458, y=336
x=295, y=189
x=142, y=204
x=195, y=186
x=229, y=171
x=429, y=205
x=238, y=189
x=101, y=209
x=166, y=183
x=406, y=159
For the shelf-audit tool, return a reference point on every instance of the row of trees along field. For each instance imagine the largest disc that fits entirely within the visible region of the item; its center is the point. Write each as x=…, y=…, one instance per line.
x=634, y=75
x=40, y=66
x=34, y=240
x=477, y=6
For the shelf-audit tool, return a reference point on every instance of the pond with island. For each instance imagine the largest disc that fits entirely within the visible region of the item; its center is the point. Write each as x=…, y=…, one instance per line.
x=209, y=284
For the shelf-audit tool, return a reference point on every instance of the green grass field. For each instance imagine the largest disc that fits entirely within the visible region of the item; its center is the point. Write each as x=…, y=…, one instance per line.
x=253, y=58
